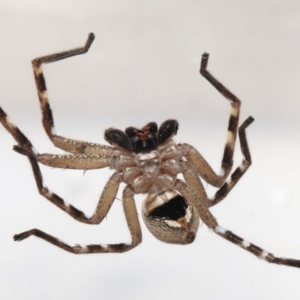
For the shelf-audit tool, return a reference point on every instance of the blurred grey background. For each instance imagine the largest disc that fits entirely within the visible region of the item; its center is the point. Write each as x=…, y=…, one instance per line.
x=142, y=67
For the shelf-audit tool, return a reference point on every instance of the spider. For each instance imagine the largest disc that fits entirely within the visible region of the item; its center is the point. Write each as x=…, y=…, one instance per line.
x=148, y=161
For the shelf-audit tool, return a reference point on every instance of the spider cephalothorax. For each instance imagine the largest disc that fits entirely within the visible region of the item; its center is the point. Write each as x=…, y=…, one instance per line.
x=166, y=213
x=147, y=161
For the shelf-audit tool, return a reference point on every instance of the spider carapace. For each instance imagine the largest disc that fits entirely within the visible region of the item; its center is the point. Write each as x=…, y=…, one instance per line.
x=147, y=161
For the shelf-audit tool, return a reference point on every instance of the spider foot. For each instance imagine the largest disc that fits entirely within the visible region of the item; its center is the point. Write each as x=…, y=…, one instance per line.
x=205, y=56
x=90, y=39
x=246, y=123
x=23, y=235
x=204, y=62
x=86, y=47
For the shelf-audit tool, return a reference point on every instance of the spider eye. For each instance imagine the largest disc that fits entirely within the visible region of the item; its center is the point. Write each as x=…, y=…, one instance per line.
x=167, y=130
x=118, y=137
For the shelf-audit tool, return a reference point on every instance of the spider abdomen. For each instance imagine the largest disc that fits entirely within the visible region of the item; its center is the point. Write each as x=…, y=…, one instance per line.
x=170, y=218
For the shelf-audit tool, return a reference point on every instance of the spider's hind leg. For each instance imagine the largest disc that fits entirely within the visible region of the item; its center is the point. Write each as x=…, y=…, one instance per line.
x=132, y=223
x=210, y=221
x=257, y=251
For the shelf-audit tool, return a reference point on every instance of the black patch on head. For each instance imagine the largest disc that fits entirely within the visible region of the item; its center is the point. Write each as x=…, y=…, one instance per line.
x=143, y=140
x=172, y=210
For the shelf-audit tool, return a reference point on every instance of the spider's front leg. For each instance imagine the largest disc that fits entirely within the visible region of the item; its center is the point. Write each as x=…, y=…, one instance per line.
x=71, y=161
x=69, y=145
x=101, y=211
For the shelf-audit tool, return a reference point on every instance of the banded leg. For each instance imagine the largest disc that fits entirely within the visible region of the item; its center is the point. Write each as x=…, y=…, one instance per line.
x=192, y=179
x=132, y=223
x=240, y=170
x=257, y=251
x=227, y=161
x=204, y=170
x=16, y=133
x=211, y=222
x=69, y=145
x=75, y=161
x=106, y=199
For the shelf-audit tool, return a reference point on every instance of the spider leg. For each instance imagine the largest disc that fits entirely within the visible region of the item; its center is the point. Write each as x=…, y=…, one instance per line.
x=196, y=200
x=132, y=223
x=240, y=170
x=192, y=179
x=75, y=161
x=68, y=161
x=107, y=197
x=202, y=168
x=210, y=221
x=69, y=145
x=257, y=251
x=206, y=171
x=17, y=134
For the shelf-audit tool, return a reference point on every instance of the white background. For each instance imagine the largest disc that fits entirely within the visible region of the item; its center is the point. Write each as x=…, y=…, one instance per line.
x=142, y=67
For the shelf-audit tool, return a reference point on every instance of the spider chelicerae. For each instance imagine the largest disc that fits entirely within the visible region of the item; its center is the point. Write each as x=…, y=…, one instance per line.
x=148, y=161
